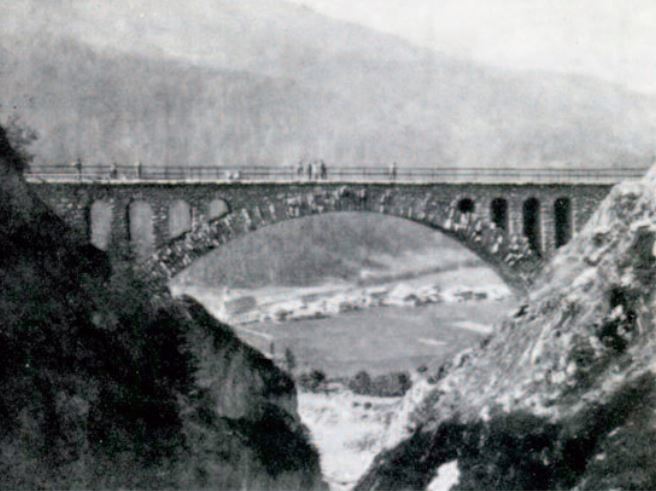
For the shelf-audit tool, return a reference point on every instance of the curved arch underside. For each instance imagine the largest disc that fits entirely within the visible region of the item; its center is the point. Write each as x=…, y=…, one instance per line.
x=509, y=255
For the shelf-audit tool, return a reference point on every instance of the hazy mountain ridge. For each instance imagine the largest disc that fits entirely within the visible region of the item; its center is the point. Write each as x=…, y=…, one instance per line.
x=270, y=83
x=270, y=37
x=181, y=107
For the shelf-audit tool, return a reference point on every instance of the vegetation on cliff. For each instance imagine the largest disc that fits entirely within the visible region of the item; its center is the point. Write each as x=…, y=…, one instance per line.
x=103, y=388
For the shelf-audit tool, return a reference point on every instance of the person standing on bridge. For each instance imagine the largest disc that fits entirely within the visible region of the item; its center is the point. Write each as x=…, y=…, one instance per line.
x=77, y=164
x=323, y=169
x=392, y=171
x=316, y=170
x=138, y=168
x=113, y=170
x=309, y=170
x=300, y=169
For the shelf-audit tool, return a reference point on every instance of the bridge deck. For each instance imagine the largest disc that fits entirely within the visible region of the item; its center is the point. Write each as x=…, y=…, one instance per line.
x=122, y=175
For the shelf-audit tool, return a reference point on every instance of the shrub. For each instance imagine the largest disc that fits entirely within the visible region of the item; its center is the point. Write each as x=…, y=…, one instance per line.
x=313, y=380
x=20, y=137
x=394, y=384
x=360, y=383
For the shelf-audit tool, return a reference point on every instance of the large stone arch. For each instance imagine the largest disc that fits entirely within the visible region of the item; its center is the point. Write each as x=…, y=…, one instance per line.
x=510, y=256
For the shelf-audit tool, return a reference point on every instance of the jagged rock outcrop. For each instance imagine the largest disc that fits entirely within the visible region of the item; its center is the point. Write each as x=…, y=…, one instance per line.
x=101, y=387
x=563, y=395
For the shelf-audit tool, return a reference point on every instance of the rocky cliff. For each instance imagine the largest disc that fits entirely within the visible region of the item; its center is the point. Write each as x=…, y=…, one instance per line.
x=562, y=396
x=100, y=387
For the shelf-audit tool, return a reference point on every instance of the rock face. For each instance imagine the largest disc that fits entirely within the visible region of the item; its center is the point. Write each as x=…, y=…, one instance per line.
x=562, y=396
x=100, y=387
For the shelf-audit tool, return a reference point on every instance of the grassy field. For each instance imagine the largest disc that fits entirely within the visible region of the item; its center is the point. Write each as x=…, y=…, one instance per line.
x=383, y=339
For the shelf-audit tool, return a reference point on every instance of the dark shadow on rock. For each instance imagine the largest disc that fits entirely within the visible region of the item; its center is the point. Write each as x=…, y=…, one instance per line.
x=523, y=451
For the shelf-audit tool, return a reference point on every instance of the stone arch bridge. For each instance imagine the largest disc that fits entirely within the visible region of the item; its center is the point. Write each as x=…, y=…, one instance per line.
x=168, y=224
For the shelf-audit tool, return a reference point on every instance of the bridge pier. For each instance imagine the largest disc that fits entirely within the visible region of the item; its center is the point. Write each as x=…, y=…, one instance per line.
x=547, y=226
x=516, y=220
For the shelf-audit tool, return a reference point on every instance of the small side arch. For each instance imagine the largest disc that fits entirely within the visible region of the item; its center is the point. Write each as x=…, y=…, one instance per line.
x=101, y=214
x=142, y=235
x=217, y=208
x=499, y=213
x=532, y=227
x=562, y=221
x=466, y=206
x=179, y=219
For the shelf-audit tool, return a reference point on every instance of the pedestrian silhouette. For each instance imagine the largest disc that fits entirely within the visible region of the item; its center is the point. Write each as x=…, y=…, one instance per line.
x=113, y=170
x=77, y=164
x=138, y=169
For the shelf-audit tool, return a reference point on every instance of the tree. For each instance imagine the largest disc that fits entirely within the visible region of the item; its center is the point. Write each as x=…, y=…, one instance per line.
x=20, y=137
x=360, y=383
x=317, y=378
x=312, y=381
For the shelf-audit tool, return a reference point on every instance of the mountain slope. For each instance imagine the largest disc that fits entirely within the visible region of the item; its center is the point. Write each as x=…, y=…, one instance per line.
x=268, y=83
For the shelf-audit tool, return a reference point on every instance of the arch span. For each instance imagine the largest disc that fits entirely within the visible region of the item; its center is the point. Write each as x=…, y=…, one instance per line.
x=510, y=256
x=180, y=219
x=532, y=228
x=562, y=221
x=140, y=225
x=101, y=214
x=499, y=212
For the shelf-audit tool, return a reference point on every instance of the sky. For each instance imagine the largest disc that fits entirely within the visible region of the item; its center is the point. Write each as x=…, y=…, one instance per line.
x=610, y=39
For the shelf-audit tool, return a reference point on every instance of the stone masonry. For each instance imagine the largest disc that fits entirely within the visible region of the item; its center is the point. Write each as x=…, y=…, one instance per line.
x=179, y=222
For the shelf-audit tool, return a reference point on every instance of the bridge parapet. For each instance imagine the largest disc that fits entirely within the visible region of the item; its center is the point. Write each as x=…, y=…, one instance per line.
x=131, y=175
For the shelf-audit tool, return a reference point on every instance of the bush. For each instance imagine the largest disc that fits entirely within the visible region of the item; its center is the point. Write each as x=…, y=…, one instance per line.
x=20, y=137
x=312, y=381
x=394, y=384
x=360, y=383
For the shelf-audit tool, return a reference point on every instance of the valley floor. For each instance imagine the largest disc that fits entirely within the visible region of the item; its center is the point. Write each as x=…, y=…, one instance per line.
x=391, y=326
x=400, y=333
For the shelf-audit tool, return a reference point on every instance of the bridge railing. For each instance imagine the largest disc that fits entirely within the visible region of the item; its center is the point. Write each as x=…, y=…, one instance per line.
x=124, y=173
